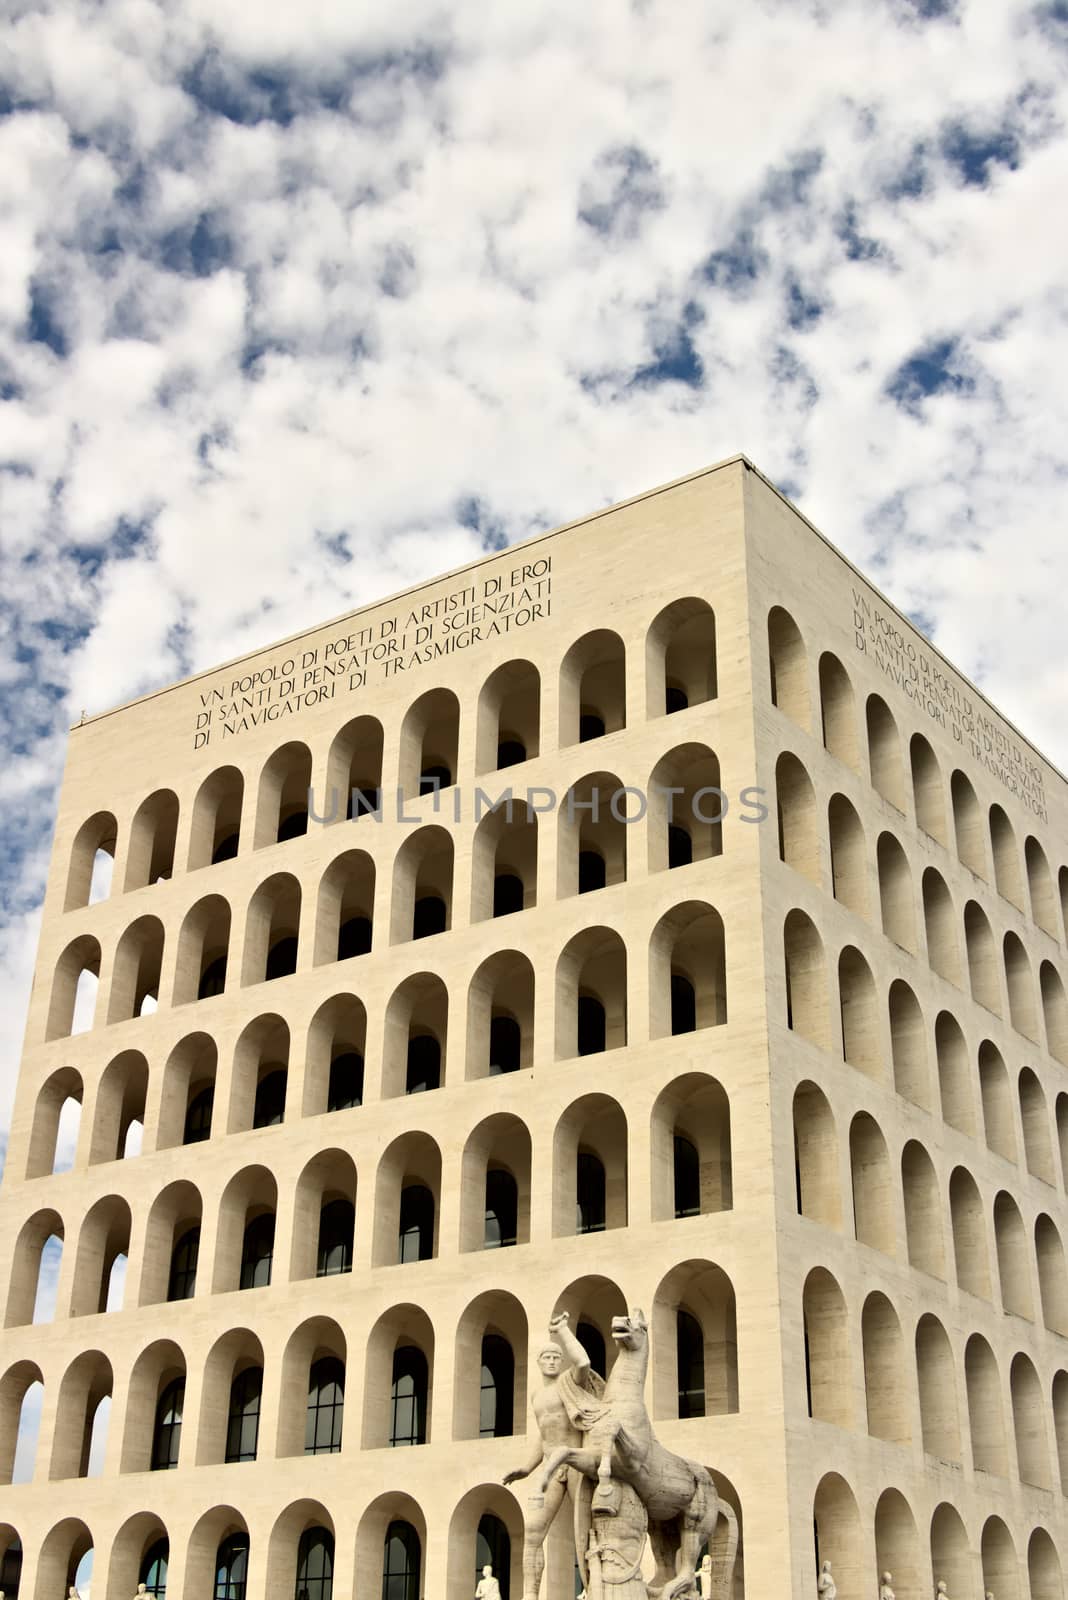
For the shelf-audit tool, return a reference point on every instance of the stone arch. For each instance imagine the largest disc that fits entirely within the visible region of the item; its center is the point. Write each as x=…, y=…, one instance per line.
x=74, y=988
x=1029, y=1424
x=401, y=1327
x=103, y=1243
x=136, y=971
x=686, y=808
x=788, y=666
x=986, y=1419
x=509, y=717
x=928, y=789
x=283, y=1544
x=92, y=859
x=591, y=994
x=940, y=922
x=119, y=1112
x=591, y=1302
x=595, y=1127
x=504, y=859
x=1014, y=1258
x=936, y=1377
x=908, y=1046
x=259, y=1080
x=1054, y=1011
x=35, y=1269
x=344, y=914
x=156, y=1368
x=84, y=1387
x=705, y=1291
x=429, y=744
x=886, y=1393
x=969, y=1234
x=1034, y=1117
x=1020, y=983
x=680, y=657
x=272, y=930
x=955, y=1089
x=209, y=1534
x=487, y=1499
x=923, y=1211
x=1001, y=1565
x=498, y=1315
x=282, y=800
x=884, y=752
x=56, y=1123
x=1006, y=854
x=1043, y=1567
x=422, y=885
x=687, y=970
x=816, y=1166
x=983, y=964
x=696, y=1109
x=498, y=1144
x=500, y=1016
x=858, y=1008
x=203, y=950
x=897, y=1543
x=130, y=1550
x=1052, y=1279
x=968, y=825
x=187, y=1101
x=839, y=1540
x=20, y=1386
x=806, y=980
x=324, y=1216
x=873, y=1188
x=996, y=1093
x=827, y=1352
x=250, y=1196
x=334, y=1056
x=215, y=833
x=64, y=1549
x=849, y=856
x=412, y=1161
x=416, y=1036
x=952, y=1558
x=799, y=845
x=839, y=712
x=593, y=687
x=591, y=839
x=896, y=898
x=354, y=771
x=311, y=1342
x=231, y=1355
x=1044, y=909
x=387, y=1511
x=150, y=855
x=175, y=1213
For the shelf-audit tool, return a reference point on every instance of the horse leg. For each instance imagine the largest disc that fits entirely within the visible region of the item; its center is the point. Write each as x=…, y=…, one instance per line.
x=664, y=1539
x=560, y=1457
x=696, y=1526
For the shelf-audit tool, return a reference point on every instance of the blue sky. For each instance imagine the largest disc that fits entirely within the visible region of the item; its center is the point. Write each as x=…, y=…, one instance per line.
x=301, y=304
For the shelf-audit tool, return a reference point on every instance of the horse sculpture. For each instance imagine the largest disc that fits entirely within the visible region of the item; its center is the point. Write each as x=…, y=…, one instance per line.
x=679, y=1496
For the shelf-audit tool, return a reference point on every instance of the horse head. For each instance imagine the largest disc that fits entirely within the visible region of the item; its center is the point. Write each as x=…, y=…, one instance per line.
x=631, y=1332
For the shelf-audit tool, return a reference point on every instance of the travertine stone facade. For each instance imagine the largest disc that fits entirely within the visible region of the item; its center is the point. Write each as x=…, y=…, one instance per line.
x=798, y=1088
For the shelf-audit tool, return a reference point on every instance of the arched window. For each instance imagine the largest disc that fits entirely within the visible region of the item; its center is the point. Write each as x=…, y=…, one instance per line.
x=497, y=1387
x=590, y=1194
x=683, y=1004
x=346, y=1081
x=326, y=1407
x=493, y=1548
x=198, y=1117
x=315, y=1565
x=401, y=1564
x=337, y=1222
x=592, y=1025
x=231, y=1568
x=257, y=1252
x=11, y=1569
x=502, y=1208
x=167, y=1432
x=505, y=1044
x=153, y=1569
x=408, y=1396
x=243, y=1420
x=183, y=1279
x=687, y=1178
x=592, y=1341
x=690, y=1348
x=270, y=1105
x=416, y=1223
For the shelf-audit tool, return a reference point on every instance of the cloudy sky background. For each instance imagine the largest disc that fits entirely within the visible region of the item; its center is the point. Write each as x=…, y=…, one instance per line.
x=302, y=303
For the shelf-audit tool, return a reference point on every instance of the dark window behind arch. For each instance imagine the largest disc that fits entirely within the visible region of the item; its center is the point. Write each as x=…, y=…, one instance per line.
x=231, y=1568
x=590, y=1193
x=505, y=1047
x=346, y=1081
x=326, y=1407
x=198, y=1117
x=167, y=1432
x=182, y=1282
x=257, y=1252
x=401, y=1563
x=502, y=1208
x=337, y=1221
x=315, y=1565
x=497, y=1384
x=11, y=1569
x=416, y=1241
x=408, y=1396
x=354, y=938
x=690, y=1347
x=683, y=1004
x=592, y=1342
x=508, y=894
x=687, y=1178
x=270, y=1107
x=493, y=1548
x=243, y=1420
x=592, y=1025
x=424, y=1064
x=152, y=1572
x=592, y=871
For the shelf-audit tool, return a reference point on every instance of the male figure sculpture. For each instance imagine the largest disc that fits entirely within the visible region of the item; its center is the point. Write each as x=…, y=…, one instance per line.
x=826, y=1587
x=942, y=1593
x=885, y=1591
x=564, y=1361
x=704, y=1577
x=488, y=1587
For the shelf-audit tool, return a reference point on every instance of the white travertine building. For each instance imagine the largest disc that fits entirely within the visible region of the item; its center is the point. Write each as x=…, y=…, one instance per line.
x=773, y=1045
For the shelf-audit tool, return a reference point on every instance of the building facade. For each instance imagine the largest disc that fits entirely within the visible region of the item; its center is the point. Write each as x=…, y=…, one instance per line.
x=749, y=1010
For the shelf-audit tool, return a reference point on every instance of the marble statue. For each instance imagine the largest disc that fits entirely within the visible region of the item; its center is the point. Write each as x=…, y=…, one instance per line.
x=630, y=1479
x=140, y=1592
x=704, y=1577
x=885, y=1591
x=826, y=1587
x=941, y=1593
x=488, y=1587
x=555, y=1430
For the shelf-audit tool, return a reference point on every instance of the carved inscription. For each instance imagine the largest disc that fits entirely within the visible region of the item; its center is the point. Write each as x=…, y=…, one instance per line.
x=362, y=657
x=907, y=661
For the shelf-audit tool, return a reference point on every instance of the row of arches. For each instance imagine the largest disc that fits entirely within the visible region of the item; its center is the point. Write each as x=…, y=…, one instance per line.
x=680, y=671
x=986, y=1559
x=985, y=843
x=273, y=938
x=233, y=1404
x=892, y=1044
x=960, y=947
x=192, y=1242
x=910, y=1388
x=879, y=1190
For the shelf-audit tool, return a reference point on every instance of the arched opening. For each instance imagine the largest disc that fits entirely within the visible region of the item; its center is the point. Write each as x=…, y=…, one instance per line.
x=590, y=1167
x=1029, y=1426
x=300, y=1554
x=282, y=803
x=928, y=791
x=884, y=752
x=1052, y=1281
x=687, y=971
x=839, y=1544
x=415, y=1041
x=422, y=886
x=21, y=1396
x=1043, y=1567
x=983, y=963
x=486, y=1530
x=399, y=1379
x=968, y=825
x=504, y=861
x=1044, y=908
x=884, y=1371
x=816, y=1157
x=429, y=743
x=1019, y=980
x=74, y=988
x=1055, y=1011
x=150, y=856
x=680, y=657
x=952, y=1559
x=940, y=924
x=215, y=834
x=231, y=1399
x=406, y=1201
x=312, y=1415
x=923, y=1211
x=897, y=1545
x=119, y=1114
x=849, y=857
x=873, y=1190
x=489, y=1397
x=593, y=688
x=937, y=1381
x=969, y=1234
x=172, y=1245
x=187, y=1100
x=343, y=921
x=895, y=893
x=1014, y=1263
x=260, y=1078
x=495, y=1182
x=324, y=1216
x=686, y=807
x=839, y=712
x=1059, y=1396
x=788, y=665
x=858, y=1005
x=985, y=1419
x=82, y=1413
x=695, y=1357
x=35, y=1266
x=136, y=972
x=509, y=717
x=1001, y=1565
x=92, y=860
x=244, y=1241
x=591, y=994
x=908, y=1046
x=500, y=1016
x=827, y=1356
x=690, y=1148
x=1034, y=1117
x=140, y=1553
x=217, y=1555
x=1006, y=853
x=272, y=930
x=592, y=835
x=997, y=1102
x=56, y=1124
x=334, y=1056
x=100, y=1262
x=799, y=845
x=954, y=1075
x=354, y=771
x=806, y=980
x=65, y=1560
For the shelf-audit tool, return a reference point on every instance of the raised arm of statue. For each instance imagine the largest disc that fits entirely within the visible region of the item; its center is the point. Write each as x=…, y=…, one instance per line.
x=574, y=1353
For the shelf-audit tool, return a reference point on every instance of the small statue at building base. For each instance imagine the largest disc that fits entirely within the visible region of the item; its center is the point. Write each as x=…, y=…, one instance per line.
x=704, y=1577
x=826, y=1587
x=941, y=1593
x=488, y=1588
x=885, y=1591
